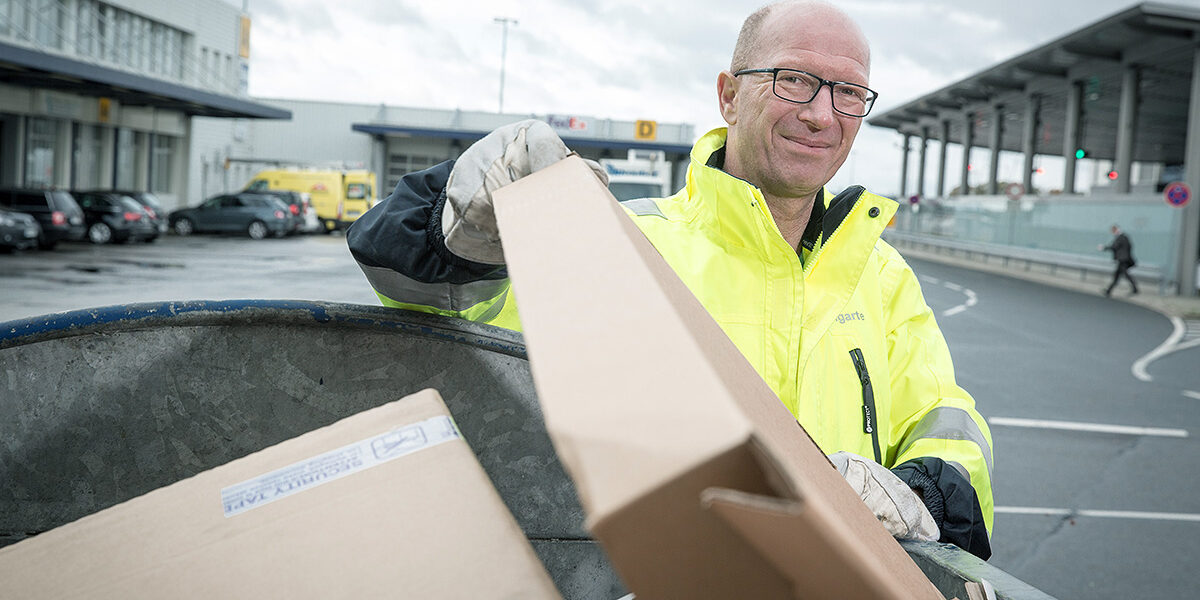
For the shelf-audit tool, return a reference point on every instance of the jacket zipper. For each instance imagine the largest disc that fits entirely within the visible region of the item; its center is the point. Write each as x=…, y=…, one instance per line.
x=868, y=394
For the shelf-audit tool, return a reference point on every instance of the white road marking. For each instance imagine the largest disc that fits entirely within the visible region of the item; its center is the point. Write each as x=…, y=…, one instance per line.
x=1092, y=427
x=1168, y=346
x=971, y=300
x=932, y=280
x=1102, y=514
x=1191, y=394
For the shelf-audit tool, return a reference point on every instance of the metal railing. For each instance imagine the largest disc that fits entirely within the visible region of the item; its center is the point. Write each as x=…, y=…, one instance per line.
x=1014, y=256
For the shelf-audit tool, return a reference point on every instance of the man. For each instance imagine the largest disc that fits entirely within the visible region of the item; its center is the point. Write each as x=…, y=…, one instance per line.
x=1122, y=251
x=829, y=314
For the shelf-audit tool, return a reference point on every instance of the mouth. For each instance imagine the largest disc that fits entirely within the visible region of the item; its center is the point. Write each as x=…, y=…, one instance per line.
x=807, y=143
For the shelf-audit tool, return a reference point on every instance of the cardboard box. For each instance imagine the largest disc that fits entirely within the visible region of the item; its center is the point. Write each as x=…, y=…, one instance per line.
x=695, y=478
x=389, y=503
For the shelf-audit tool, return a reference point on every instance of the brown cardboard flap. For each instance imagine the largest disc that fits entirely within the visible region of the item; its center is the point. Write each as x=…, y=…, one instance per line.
x=646, y=398
x=792, y=537
x=624, y=422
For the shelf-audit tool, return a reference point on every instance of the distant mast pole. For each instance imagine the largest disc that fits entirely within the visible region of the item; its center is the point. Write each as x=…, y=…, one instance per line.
x=503, y=21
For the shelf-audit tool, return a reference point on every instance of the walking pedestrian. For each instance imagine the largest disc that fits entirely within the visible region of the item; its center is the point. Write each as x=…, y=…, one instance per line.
x=1122, y=251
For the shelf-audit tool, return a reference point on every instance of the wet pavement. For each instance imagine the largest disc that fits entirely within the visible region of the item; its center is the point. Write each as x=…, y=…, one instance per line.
x=80, y=275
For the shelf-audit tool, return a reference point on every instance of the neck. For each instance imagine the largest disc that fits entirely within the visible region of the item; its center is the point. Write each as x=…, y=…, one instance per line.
x=791, y=216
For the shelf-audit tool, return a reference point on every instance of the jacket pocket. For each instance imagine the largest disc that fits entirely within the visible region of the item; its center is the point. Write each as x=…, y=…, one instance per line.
x=870, y=425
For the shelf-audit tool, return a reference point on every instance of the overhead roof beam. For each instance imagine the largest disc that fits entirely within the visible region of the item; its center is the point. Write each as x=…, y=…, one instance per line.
x=1042, y=69
x=1092, y=53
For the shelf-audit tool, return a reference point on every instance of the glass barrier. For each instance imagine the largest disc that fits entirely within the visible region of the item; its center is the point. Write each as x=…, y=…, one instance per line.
x=1073, y=224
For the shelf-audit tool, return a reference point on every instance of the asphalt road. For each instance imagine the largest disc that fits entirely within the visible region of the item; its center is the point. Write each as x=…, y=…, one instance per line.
x=1080, y=513
x=79, y=275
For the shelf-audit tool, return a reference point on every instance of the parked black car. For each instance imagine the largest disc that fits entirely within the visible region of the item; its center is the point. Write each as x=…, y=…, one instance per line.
x=55, y=210
x=299, y=207
x=114, y=217
x=154, y=207
x=255, y=214
x=18, y=230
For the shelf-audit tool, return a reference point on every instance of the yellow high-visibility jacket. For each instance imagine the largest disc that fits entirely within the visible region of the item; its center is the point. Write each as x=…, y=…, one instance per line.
x=841, y=331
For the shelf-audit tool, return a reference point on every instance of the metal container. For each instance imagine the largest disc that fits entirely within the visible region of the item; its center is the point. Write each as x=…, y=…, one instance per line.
x=107, y=404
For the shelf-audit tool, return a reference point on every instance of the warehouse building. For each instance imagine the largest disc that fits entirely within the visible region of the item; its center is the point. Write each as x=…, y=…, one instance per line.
x=103, y=93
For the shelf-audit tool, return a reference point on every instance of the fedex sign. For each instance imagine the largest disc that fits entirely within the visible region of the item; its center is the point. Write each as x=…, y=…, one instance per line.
x=567, y=123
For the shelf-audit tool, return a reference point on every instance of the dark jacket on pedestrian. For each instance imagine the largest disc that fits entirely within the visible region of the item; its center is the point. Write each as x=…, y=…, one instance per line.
x=1122, y=250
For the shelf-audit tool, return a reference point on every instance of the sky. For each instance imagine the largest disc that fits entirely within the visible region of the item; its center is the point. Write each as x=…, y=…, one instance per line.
x=630, y=59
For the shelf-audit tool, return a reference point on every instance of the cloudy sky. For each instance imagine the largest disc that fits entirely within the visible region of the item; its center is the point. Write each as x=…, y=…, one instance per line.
x=625, y=59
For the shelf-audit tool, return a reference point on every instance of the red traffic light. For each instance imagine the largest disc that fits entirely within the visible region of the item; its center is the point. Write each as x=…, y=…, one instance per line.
x=1112, y=175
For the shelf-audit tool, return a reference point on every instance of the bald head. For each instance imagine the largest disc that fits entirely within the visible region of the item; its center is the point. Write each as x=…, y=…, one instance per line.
x=758, y=34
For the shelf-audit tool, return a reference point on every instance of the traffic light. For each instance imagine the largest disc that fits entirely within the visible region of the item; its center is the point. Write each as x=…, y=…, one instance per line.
x=1112, y=175
x=1080, y=153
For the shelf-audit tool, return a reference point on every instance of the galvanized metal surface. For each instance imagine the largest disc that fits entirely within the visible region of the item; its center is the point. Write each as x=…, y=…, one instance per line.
x=104, y=405
x=949, y=568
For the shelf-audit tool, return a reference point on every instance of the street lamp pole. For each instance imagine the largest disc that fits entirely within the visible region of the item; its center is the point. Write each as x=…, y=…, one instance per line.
x=504, y=21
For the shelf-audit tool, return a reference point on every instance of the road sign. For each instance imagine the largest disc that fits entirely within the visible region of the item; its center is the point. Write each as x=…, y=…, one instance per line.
x=1177, y=194
x=1014, y=191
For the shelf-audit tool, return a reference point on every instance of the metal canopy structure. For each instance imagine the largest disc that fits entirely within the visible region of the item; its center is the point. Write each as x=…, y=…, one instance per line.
x=1125, y=89
x=469, y=137
x=30, y=68
x=1153, y=43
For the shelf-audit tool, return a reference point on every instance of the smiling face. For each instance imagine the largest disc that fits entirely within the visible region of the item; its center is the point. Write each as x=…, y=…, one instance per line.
x=792, y=150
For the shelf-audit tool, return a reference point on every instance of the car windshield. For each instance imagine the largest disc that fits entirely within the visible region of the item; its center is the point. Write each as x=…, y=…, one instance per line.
x=63, y=200
x=148, y=199
x=129, y=204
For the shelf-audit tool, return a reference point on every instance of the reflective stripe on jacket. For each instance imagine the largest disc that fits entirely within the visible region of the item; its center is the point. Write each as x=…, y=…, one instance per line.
x=844, y=336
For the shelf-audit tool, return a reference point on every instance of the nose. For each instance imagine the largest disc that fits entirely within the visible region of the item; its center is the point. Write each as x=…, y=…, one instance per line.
x=818, y=113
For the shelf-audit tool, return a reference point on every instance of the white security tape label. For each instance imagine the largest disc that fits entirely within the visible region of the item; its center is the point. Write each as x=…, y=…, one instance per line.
x=336, y=464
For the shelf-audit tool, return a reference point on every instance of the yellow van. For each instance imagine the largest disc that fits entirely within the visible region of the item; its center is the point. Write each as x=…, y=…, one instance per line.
x=339, y=197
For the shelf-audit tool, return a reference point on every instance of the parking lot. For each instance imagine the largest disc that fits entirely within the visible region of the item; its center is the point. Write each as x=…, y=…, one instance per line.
x=78, y=275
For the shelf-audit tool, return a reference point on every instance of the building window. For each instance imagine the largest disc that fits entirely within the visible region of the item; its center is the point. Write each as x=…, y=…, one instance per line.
x=123, y=38
x=400, y=165
x=161, y=163
x=41, y=139
x=49, y=17
x=129, y=147
x=86, y=154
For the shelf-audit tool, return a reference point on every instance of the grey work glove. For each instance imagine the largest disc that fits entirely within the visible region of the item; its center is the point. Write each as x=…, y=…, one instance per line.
x=500, y=158
x=895, y=504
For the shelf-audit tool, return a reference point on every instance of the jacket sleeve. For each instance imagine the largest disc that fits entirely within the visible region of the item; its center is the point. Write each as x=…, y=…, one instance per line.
x=400, y=248
x=944, y=445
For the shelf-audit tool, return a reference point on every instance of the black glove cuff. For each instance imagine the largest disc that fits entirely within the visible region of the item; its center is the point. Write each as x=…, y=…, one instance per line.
x=930, y=493
x=436, y=240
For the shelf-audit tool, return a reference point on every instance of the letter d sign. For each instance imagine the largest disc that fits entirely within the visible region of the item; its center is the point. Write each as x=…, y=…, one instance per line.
x=646, y=130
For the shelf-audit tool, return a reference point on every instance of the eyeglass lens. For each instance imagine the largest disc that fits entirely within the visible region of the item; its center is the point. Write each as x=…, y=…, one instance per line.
x=802, y=87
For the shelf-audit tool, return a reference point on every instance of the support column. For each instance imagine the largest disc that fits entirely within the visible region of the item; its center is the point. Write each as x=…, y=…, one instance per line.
x=921, y=162
x=968, y=141
x=904, y=170
x=1126, y=128
x=944, y=135
x=1071, y=135
x=994, y=145
x=1033, y=114
x=1189, y=221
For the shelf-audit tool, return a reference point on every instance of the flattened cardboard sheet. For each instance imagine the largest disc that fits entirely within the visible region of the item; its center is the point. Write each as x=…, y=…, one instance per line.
x=388, y=503
x=649, y=404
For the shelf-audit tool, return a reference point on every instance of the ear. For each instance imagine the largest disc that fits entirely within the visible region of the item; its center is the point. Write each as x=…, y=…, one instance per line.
x=727, y=95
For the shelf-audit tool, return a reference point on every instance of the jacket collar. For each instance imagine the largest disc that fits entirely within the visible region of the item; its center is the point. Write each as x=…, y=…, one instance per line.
x=738, y=211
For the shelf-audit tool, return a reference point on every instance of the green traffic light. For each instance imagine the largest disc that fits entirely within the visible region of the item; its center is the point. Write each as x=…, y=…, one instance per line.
x=1080, y=153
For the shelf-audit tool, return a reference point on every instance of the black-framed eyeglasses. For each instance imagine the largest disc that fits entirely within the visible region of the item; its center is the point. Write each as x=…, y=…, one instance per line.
x=801, y=87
